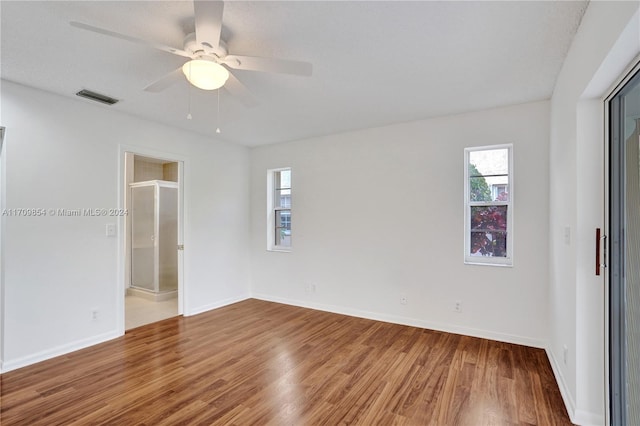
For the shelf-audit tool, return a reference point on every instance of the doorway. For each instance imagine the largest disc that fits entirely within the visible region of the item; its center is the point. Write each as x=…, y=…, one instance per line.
x=624, y=271
x=152, y=243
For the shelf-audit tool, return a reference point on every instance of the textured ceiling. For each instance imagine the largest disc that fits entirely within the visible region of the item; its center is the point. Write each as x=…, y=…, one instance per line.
x=374, y=63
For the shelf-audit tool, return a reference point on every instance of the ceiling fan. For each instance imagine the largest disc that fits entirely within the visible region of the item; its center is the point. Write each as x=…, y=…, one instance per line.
x=209, y=59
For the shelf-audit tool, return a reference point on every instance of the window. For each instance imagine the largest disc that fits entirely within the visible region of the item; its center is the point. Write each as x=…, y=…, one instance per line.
x=489, y=205
x=279, y=209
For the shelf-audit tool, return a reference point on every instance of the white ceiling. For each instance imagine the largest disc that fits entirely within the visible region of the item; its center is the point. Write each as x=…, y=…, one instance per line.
x=374, y=63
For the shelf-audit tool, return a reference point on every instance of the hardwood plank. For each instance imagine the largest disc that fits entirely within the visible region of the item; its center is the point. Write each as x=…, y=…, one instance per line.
x=263, y=363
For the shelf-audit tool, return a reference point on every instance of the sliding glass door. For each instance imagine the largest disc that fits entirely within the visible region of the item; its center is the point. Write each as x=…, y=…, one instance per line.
x=624, y=273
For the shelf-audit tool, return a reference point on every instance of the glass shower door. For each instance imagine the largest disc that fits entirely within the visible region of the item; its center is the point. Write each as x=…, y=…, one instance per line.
x=143, y=237
x=167, y=238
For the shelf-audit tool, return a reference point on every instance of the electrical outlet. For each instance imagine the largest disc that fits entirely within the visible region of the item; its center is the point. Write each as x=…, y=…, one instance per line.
x=403, y=299
x=95, y=314
x=311, y=288
x=565, y=354
x=457, y=306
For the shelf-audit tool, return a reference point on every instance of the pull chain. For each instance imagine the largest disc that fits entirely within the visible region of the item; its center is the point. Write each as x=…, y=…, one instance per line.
x=218, y=119
x=189, y=117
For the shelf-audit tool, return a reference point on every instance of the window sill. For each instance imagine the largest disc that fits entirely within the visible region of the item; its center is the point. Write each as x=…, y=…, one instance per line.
x=499, y=265
x=280, y=249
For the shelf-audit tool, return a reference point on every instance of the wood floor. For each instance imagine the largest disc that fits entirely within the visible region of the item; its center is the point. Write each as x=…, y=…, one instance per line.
x=263, y=363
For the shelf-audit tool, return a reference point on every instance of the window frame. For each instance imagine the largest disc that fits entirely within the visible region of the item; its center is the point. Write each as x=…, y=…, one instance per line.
x=468, y=204
x=273, y=209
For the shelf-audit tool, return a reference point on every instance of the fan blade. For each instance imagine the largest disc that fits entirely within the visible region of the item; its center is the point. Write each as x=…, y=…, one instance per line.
x=129, y=38
x=164, y=82
x=208, y=16
x=255, y=63
x=240, y=91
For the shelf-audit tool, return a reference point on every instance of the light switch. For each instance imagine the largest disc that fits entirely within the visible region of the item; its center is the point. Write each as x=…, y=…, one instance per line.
x=111, y=229
x=567, y=235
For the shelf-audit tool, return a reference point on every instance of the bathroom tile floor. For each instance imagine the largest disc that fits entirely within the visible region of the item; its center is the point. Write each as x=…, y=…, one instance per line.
x=139, y=311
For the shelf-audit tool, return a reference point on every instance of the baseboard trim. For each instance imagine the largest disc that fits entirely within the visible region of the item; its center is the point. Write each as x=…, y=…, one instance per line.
x=576, y=415
x=57, y=351
x=485, y=334
x=216, y=305
x=562, y=384
x=586, y=418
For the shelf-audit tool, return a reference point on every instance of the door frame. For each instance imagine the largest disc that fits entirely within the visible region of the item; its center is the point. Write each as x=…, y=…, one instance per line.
x=125, y=170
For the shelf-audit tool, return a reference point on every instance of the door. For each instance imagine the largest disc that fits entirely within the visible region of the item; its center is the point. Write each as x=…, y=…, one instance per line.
x=167, y=241
x=143, y=244
x=624, y=272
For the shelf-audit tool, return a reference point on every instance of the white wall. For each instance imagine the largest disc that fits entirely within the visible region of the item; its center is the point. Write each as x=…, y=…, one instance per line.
x=605, y=43
x=379, y=212
x=64, y=153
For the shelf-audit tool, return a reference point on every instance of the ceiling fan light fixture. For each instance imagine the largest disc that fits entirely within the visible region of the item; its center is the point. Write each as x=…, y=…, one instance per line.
x=205, y=74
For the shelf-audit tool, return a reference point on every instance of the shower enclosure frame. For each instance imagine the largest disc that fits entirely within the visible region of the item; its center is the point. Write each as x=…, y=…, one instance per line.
x=156, y=184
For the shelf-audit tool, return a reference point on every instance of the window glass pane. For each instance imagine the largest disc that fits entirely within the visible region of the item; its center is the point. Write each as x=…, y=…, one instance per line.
x=489, y=175
x=283, y=198
x=283, y=179
x=489, y=218
x=490, y=161
x=500, y=192
x=283, y=228
x=479, y=189
x=492, y=244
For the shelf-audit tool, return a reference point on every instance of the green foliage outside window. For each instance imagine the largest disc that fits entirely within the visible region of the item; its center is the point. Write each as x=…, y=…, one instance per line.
x=479, y=188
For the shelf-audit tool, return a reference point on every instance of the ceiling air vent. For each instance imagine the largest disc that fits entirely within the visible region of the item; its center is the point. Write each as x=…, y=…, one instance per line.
x=88, y=94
